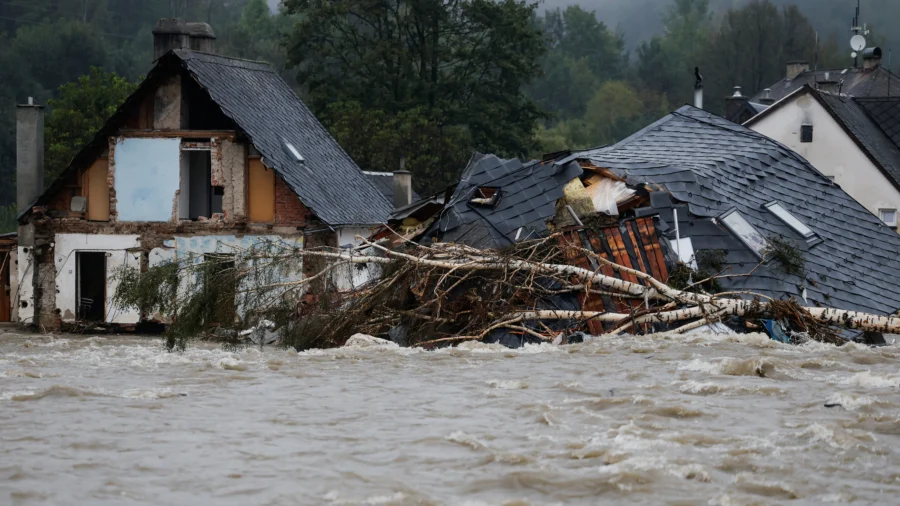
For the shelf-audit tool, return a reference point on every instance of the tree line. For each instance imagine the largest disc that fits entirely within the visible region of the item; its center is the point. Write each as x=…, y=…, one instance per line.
x=422, y=81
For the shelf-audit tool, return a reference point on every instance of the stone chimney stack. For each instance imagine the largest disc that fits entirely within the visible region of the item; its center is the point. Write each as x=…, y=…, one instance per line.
x=795, y=68
x=169, y=34
x=734, y=103
x=202, y=37
x=871, y=58
x=402, y=187
x=29, y=153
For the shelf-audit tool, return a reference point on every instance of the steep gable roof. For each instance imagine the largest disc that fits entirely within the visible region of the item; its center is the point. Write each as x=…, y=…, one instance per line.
x=270, y=113
x=714, y=165
x=857, y=82
x=885, y=111
x=852, y=116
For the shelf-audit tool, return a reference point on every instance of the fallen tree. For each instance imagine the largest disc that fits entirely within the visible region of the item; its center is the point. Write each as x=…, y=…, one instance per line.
x=445, y=293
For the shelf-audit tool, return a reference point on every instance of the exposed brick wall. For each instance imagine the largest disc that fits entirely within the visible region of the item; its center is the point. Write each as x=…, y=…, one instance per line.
x=288, y=208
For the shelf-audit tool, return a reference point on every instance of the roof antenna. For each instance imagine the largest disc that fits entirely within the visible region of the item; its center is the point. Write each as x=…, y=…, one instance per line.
x=858, y=41
x=816, y=65
x=890, y=70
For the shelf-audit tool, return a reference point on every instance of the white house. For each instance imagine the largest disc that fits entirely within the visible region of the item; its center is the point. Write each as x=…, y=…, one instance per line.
x=853, y=141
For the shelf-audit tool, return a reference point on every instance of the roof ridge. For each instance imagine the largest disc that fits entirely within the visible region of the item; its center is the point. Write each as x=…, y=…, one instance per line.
x=266, y=64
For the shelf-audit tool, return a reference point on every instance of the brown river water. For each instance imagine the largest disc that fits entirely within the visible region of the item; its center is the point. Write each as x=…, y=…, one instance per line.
x=701, y=419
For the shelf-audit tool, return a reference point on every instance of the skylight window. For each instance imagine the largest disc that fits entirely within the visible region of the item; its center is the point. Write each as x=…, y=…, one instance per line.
x=790, y=220
x=747, y=233
x=293, y=151
x=485, y=196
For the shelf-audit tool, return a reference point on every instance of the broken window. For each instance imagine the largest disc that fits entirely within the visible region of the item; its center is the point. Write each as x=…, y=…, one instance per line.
x=806, y=133
x=485, y=196
x=790, y=220
x=261, y=192
x=203, y=199
x=888, y=216
x=747, y=233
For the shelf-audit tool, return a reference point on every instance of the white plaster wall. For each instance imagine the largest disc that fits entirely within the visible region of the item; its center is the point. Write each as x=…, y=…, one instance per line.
x=352, y=276
x=118, y=255
x=25, y=270
x=832, y=152
x=13, y=286
x=192, y=249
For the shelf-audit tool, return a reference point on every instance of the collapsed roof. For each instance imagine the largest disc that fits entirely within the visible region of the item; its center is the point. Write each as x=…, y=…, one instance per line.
x=714, y=167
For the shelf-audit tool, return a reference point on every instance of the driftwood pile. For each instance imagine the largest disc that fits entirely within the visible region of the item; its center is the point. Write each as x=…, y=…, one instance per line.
x=445, y=293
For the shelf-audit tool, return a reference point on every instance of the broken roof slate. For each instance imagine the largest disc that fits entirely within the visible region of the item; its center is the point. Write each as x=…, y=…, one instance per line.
x=528, y=195
x=252, y=94
x=856, y=246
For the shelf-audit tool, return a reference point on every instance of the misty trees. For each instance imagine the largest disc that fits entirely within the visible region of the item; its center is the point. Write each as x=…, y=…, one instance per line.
x=455, y=68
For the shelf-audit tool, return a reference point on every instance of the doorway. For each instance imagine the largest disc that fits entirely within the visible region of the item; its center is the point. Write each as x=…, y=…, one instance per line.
x=91, y=282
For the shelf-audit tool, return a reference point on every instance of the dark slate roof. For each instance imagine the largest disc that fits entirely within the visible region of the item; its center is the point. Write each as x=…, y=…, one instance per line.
x=885, y=111
x=384, y=182
x=857, y=82
x=270, y=113
x=528, y=195
x=866, y=132
x=714, y=165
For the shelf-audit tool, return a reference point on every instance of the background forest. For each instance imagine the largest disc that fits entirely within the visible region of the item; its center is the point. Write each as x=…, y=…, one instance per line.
x=429, y=81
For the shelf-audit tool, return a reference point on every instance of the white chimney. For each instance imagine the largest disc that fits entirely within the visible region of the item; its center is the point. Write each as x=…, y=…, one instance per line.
x=698, y=89
x=402, y=188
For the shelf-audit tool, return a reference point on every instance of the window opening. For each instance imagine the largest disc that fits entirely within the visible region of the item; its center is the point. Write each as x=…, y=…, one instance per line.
x=790, y=220
x=806, y=133
x=747, y=233
x=204, y=199
x=485, y=196
x=90, y=280
x=888, y=216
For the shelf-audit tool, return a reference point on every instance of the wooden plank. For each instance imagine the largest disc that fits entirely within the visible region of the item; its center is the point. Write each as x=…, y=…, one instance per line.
x=637, y=247
x=184, y=134
x=652, y=240
x=96, y=187
x=261, y=192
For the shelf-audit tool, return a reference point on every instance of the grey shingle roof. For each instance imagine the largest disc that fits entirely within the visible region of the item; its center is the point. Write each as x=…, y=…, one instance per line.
x=866, y=132
x=270, y=113
x=384, y=182
x=885, y=111
x=528, y=195
x=713, y=165
x=857, y=82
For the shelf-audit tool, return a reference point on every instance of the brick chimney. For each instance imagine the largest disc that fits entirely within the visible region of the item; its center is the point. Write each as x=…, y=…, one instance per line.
x=29, y=154
x=795, y=68
x=871, y=58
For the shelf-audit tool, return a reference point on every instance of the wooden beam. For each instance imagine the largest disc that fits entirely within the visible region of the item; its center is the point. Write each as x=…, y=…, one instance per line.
x=185, y=134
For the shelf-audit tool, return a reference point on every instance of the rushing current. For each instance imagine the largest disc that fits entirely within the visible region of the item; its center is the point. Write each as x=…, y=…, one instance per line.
x=703, y=419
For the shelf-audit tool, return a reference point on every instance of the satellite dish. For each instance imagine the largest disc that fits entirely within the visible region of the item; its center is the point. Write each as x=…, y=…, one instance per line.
x=858, y=42
x=854, y=54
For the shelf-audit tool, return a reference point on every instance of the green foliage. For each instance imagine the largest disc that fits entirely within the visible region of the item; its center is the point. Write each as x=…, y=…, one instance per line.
x=230, y=289
x=80, y=111
x=710, y=263
x=458, y=68
x=788, y=255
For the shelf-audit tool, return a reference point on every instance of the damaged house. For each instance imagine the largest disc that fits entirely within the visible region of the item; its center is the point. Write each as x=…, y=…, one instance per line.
x=208, y=157
x=688, y=197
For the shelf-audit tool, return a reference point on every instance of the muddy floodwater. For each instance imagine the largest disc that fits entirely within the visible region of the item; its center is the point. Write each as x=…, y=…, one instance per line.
x=636, y=420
